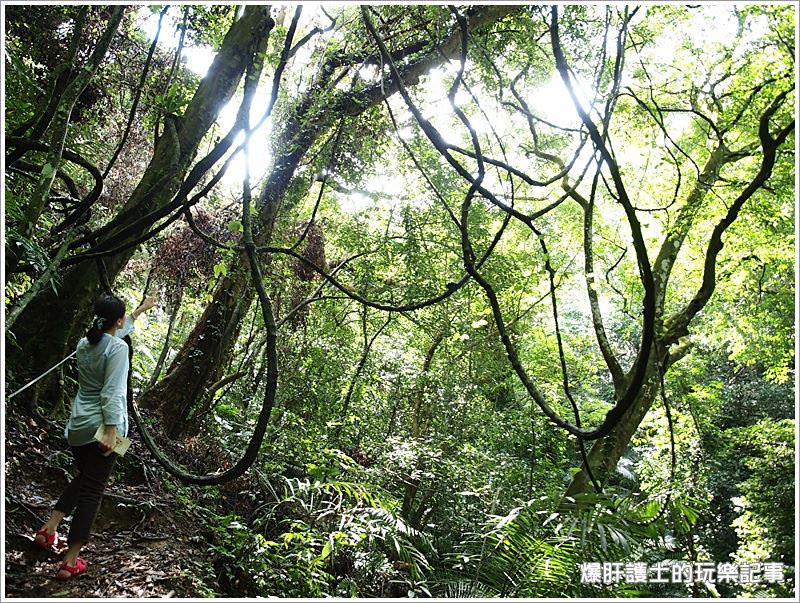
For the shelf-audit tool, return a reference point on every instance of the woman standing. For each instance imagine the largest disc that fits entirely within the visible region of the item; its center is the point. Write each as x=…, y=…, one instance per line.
x=102, y=359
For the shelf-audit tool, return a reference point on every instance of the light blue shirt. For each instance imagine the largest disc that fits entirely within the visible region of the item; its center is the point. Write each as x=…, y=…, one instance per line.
x=102, y=397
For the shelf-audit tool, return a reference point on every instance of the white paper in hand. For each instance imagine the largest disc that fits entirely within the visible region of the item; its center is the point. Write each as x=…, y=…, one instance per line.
x=122, y=443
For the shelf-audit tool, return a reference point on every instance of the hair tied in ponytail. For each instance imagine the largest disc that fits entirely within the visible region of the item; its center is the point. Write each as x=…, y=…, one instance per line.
x=108, y=309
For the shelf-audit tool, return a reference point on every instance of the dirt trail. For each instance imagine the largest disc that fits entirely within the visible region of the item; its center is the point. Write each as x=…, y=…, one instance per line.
x=143, y=542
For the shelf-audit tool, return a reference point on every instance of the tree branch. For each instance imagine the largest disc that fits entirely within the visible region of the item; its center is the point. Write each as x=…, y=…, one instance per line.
x=677, y=325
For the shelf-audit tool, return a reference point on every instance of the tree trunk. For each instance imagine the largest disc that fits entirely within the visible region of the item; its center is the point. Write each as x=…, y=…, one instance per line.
x=201, y=358
x=606, y=452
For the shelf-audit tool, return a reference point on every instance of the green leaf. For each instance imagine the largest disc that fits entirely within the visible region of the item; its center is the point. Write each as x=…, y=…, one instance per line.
x=220, y=269
x=326, y=551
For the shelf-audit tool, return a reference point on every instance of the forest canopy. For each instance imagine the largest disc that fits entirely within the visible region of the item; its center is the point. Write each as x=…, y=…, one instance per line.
x=455, y=298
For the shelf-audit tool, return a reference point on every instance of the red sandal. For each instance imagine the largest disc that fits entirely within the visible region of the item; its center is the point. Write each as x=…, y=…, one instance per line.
x=48, y=542
x=67, y=572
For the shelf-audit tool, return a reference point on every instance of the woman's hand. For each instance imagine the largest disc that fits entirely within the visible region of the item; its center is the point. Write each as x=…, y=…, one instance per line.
x=109, y=439
x=148, y=303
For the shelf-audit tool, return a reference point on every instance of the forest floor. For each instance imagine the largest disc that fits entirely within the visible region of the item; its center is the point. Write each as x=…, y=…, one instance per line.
x=145, y=542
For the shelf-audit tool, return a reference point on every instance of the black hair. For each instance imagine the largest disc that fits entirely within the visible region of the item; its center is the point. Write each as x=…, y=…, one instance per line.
x=108, y=309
